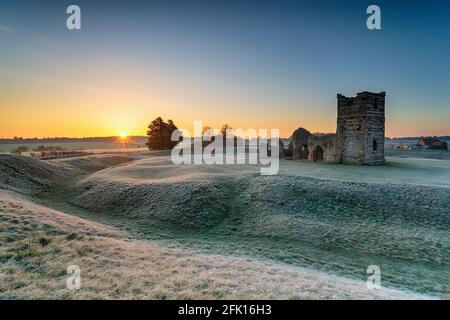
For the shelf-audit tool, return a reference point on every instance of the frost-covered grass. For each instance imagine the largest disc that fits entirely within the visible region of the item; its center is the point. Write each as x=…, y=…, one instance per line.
x=319, y=220
x=336, y=218
x=38, y=244
x=419, y=153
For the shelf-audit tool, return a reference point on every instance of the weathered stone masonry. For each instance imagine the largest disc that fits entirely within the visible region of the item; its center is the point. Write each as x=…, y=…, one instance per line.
x=359, y=137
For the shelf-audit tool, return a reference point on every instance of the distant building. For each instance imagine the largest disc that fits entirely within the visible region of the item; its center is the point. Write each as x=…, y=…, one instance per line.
x=431, y=143
x=359, y=137
x=402, y=146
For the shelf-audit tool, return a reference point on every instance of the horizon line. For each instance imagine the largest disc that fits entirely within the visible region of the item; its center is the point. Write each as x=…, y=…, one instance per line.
x=144, y=136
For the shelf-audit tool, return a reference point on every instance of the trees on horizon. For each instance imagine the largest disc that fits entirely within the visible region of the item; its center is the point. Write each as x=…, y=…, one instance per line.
x=160, y=133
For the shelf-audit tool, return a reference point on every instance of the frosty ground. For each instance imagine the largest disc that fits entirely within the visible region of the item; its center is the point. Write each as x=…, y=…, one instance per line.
x=140, y=227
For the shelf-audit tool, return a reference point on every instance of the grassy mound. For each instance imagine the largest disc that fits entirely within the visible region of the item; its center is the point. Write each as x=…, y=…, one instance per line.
x=188, y=204
x=26, y=175
x=38, y=244
x=31, y=176
x=335, y=225
x=333, y=218
x=376, y=218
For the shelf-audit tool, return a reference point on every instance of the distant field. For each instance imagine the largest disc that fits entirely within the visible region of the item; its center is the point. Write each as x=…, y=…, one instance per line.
x=409, y=141
x=390, y=151
x=76, y=145
x=418, y=153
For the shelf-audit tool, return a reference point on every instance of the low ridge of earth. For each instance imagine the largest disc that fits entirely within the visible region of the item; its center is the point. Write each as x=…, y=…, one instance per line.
x=141, y=227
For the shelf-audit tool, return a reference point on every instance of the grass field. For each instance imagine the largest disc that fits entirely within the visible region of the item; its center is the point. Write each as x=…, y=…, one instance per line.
x=309, y=232
x=88, y=144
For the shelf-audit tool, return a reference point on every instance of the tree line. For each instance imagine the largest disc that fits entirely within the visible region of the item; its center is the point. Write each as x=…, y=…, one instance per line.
x=159, y=134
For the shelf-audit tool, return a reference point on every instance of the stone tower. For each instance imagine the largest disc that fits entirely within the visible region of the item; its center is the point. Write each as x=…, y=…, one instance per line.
x=360, y=128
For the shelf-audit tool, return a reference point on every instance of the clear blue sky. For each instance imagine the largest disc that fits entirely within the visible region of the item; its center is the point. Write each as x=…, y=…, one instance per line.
x=269, y=64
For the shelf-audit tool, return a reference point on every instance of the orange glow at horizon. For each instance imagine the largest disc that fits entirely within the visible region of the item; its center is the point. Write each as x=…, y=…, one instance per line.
x=52, y=106
x=51, y=126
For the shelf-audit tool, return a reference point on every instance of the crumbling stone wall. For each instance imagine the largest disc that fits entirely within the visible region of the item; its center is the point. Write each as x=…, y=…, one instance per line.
x=331, y=152
x=359, y=137
x=299, y=144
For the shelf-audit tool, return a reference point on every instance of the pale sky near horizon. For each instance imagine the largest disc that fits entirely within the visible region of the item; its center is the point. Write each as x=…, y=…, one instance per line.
x=251, y=64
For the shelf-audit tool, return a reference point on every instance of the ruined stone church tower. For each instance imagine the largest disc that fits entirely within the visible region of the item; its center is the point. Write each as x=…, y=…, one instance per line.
x=360, y=128
x=359, y=137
